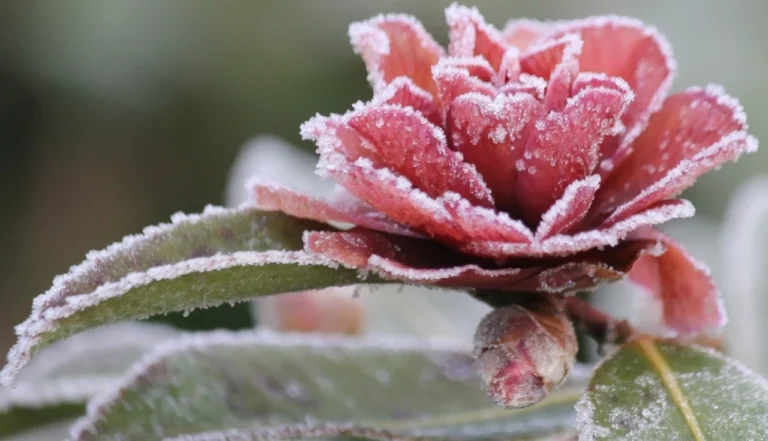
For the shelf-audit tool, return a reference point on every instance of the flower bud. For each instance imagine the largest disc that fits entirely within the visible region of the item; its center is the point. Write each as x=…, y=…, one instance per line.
x=524, y=353
x=327, y=311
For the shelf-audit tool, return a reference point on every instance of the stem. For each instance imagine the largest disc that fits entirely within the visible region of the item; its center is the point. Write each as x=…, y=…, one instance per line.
x=597, y=324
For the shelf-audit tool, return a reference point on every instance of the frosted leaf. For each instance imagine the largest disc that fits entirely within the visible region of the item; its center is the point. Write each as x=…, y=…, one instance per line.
x=638, y=394
x=223, y=380
x=66, y=374
x=196, y=261
x=44, y=432
x=295, y=432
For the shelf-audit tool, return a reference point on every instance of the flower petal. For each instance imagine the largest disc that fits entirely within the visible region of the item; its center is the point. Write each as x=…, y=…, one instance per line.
x=570, y=244
x=395, y=196
x=691, y=302
x=696, y=131
x=417, y=150
x=523, y=33
x=490, y=133
x=407, y=260
x=403, y=92
x=453, y=81
x=563, y=74
x=541, y=60
x=396, y=45
x=566, y=214
x=565, y=148
x=625, y=47
x=482, y=223
x=272, y=196
x=470, y=35
x=526, y=83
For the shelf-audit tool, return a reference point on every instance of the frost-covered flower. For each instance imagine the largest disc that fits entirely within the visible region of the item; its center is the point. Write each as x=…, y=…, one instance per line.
x=533, y=159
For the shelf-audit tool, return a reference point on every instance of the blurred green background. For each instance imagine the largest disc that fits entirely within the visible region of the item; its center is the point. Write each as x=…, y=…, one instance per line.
x=115, y=114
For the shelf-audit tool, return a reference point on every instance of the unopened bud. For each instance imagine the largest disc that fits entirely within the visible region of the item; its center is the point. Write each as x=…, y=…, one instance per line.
x=327, y=311
x=524, y=353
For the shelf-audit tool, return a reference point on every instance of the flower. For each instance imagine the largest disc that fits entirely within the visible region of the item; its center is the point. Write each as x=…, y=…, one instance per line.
x=533, y=159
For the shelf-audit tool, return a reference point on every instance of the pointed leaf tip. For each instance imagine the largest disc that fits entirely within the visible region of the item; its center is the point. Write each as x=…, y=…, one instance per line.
x=196, y=261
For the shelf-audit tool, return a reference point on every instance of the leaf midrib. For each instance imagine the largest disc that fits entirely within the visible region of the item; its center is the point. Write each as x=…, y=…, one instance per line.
x=662, y=368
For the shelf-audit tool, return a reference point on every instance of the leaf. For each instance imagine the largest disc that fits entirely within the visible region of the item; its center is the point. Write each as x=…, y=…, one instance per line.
x=222, y=381
x=65, y=375
x=665, y=391
x=337, y=432
x=196, y=261
x=49, y=432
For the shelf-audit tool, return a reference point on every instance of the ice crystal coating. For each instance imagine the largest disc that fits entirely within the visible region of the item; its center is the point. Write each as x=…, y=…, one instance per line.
x=522, y=156
x=524, y=352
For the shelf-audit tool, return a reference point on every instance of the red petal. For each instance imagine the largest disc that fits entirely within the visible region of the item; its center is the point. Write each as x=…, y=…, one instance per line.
x=470, y=35
x=566, y=214
x=395, y=196
x=407, y=260
x=485, y=224
x=567, y=244
x=529, y=84
x=403, y=92
x=490, y=133
x=628, y=49
x=565, y=148
x=522, y=33
x=691, y=301
x=417, y=150
x=586, y=271
x=585, y=80
x=271, y=196
x=453, y=82
x=509, y=70
x=694, y=132
x=396, y=45
x=563, y=75
x=542, y=60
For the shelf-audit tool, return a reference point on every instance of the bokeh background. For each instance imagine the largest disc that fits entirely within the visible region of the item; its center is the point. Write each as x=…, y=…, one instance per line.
x=115, y=114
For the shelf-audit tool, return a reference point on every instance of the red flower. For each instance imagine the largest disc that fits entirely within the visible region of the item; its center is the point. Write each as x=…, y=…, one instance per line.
x=532, y=159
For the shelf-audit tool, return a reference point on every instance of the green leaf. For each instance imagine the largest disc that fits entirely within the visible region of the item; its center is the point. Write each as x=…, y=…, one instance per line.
x=224, y=381
x=661, y=391
x=196, y=261
x=335, y=432
x=56, y=385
